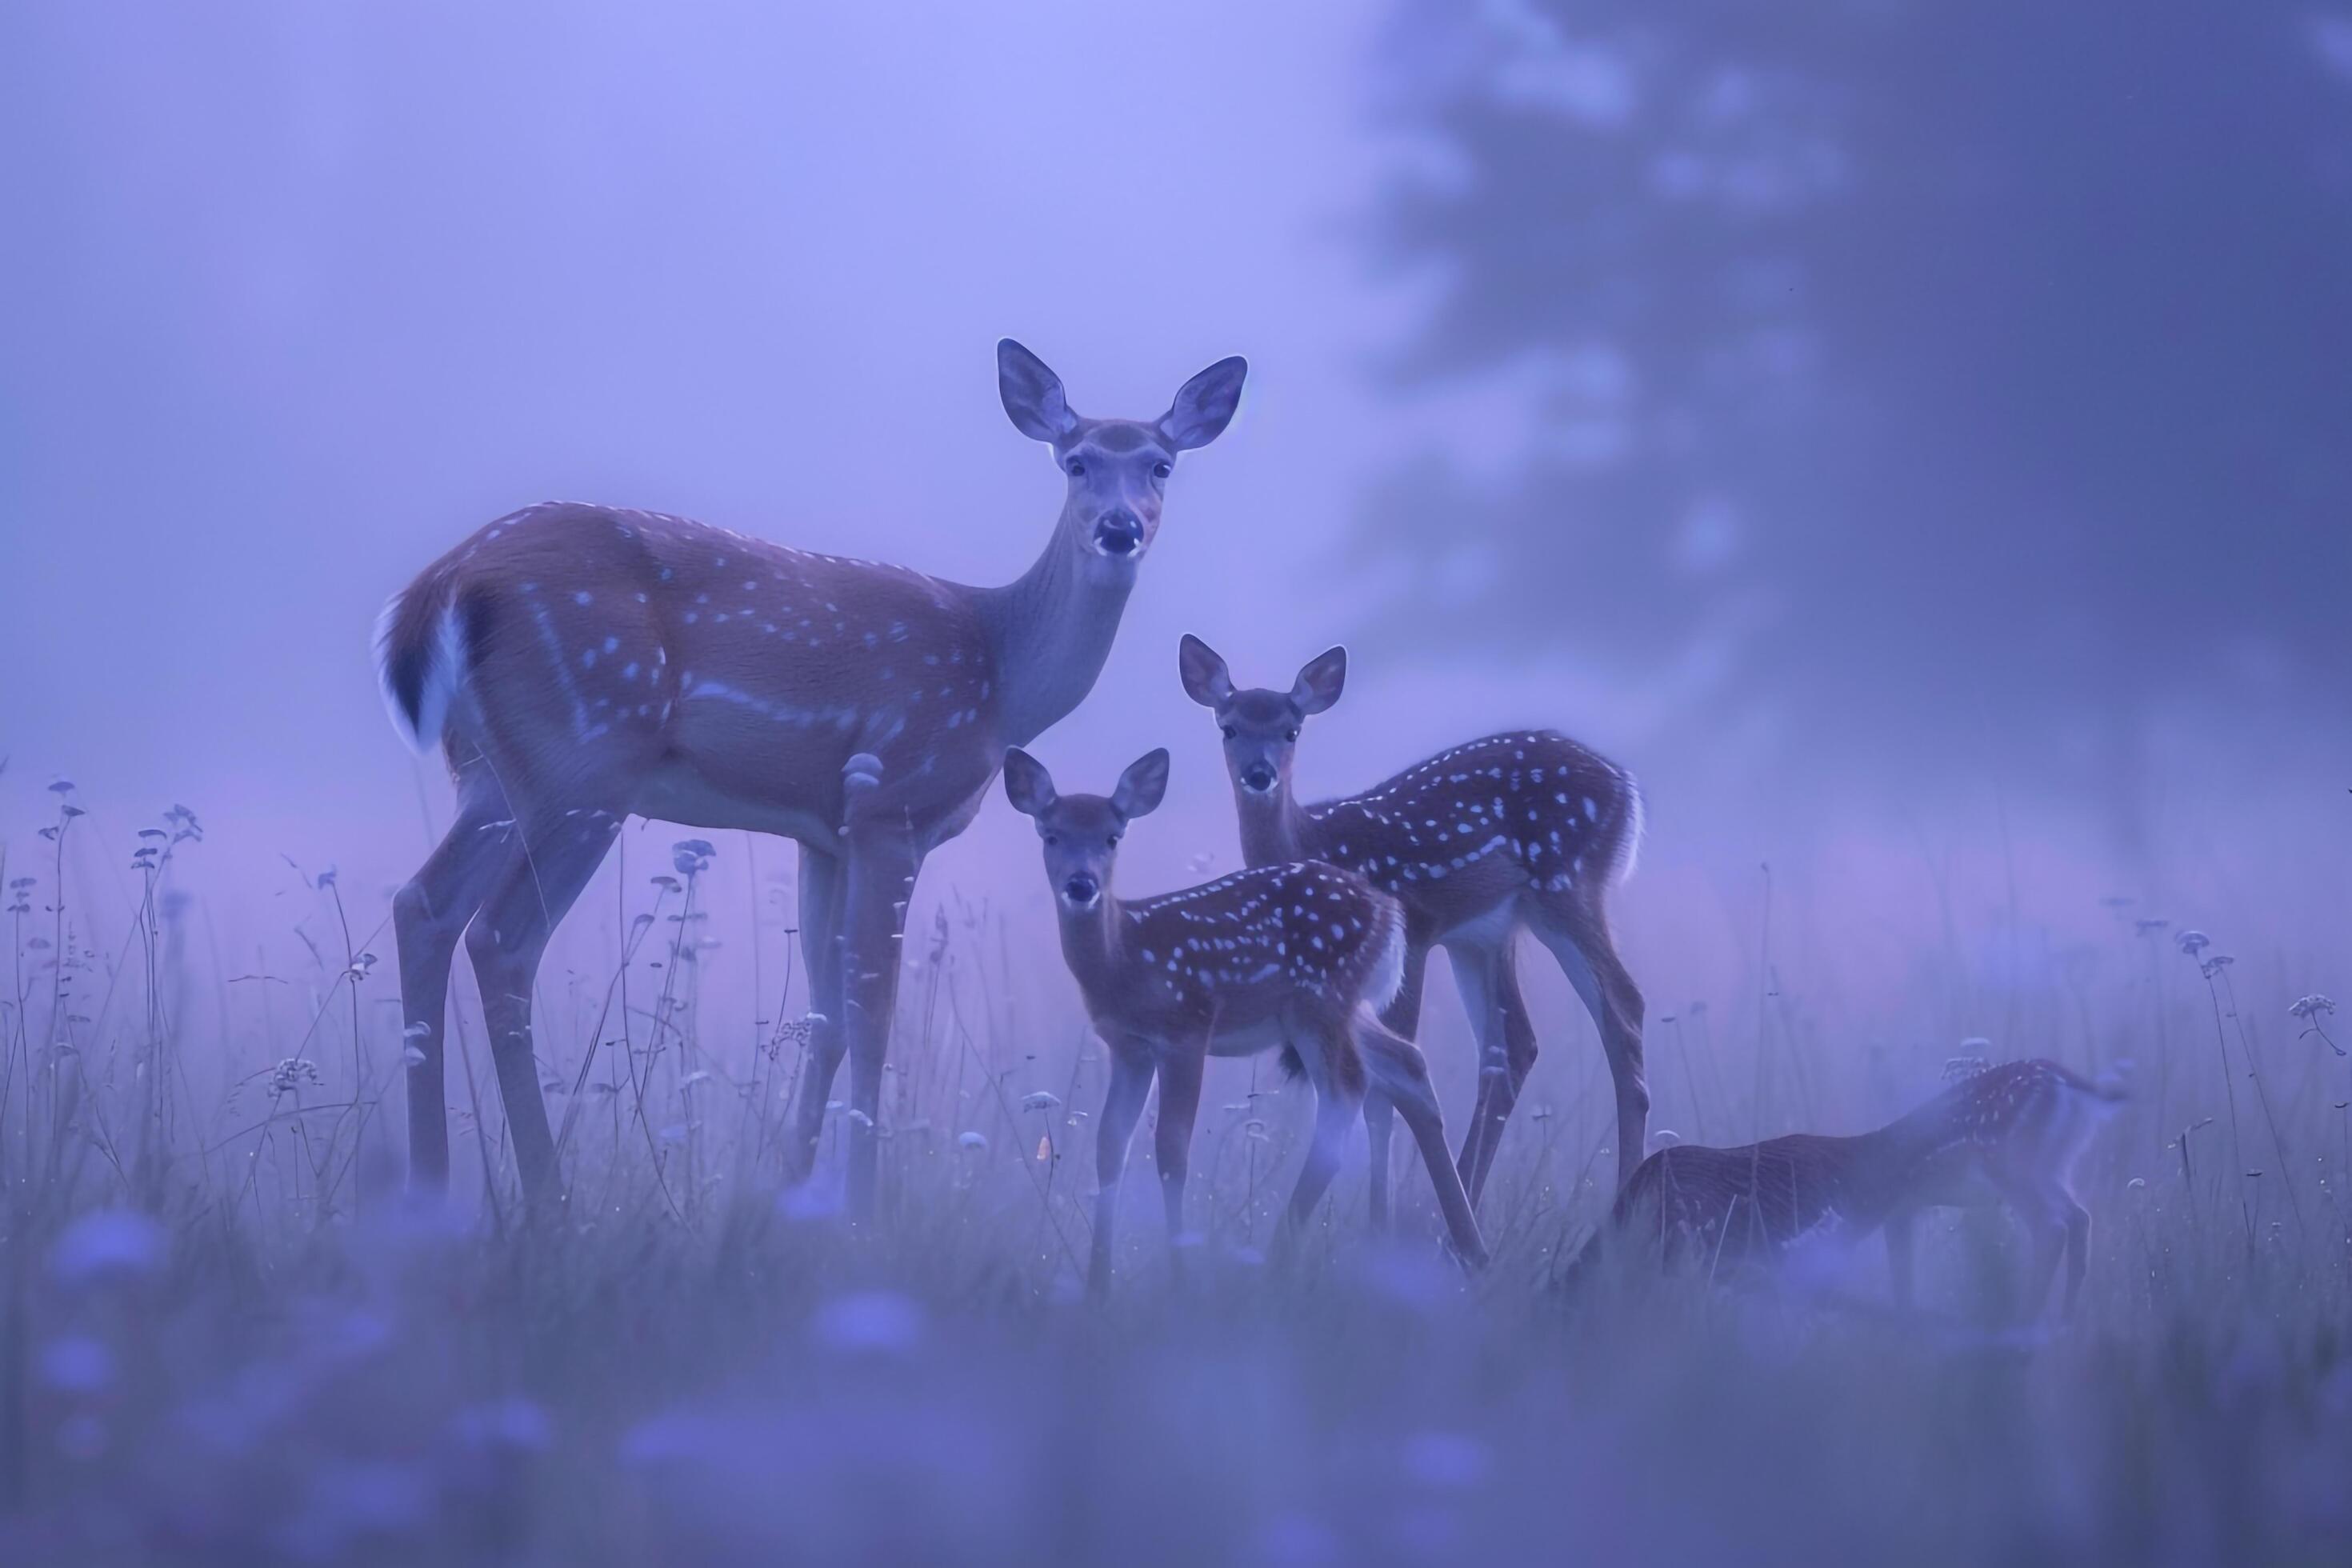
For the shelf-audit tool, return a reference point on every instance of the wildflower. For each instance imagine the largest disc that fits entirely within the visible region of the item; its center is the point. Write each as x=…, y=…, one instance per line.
x=77, y=1365
x=869, y=1322
x=108, y=1243
x=975, y=1141
x=2193, y=943
x=514, y=1424
x=1664, y=1137
x=2149, y=926
x=289, y=1076
x=672, y=1436
x=2312, y=1006
x=1446, y=1461
x=1039, y=1100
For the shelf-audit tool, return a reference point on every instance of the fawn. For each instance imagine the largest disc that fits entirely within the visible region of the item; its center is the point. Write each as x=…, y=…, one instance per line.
x=1293, y=956
x=2007, y=1135
x=1528, y=830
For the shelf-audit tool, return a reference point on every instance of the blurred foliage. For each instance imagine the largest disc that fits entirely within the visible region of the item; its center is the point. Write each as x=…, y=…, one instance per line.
x=1891, y=352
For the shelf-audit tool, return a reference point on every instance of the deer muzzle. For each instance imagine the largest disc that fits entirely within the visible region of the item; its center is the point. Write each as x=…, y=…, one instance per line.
x=1118, y=533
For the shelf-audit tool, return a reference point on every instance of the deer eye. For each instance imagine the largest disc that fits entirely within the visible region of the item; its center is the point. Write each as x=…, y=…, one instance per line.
x=1290, y=734
x=1113, y=841
x=1229, y=729
x=1052, y=840
x=1161, y=471
x=1077, y=468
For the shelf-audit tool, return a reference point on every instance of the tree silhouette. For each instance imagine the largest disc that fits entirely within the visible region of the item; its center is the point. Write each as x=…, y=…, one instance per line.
x=1894, y=352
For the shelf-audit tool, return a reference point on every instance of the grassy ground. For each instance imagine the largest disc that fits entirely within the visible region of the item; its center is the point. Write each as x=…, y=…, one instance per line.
x=227, y=1339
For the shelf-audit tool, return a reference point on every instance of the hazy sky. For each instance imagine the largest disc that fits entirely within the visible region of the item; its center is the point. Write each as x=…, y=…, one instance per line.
x=297, y=295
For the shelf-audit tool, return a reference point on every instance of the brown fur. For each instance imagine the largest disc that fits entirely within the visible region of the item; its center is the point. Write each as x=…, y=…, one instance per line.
x=1525, y=830
x=2009, y=1135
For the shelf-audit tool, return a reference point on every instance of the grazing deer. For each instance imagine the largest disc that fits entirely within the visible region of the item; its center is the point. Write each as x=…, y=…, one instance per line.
x=1292, y=956
x=1525, y=830
x=579, y=665
x=2006, y=1136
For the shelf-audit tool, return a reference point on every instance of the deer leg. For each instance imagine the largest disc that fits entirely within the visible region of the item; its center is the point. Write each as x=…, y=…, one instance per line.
x=1180, y=1106
x=1900, y=1255
x=1579, y=940
x=428, y=916
x=1519, y=1060
x=2078, y=1249
x=1130, y=1085
x=1474, y=978
x=1380, y=1121
x=1506, y=1055
x=878, y=881
x=2047, y=1231
x=1402, y=1016
x=820, y=917
x=1339, y=1076
x=506, y=941
x=1398, y=1066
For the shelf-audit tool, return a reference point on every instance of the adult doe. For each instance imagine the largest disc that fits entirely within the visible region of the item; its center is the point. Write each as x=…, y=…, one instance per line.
x=1291, y=956
x=578, y=664
x=1526, y=830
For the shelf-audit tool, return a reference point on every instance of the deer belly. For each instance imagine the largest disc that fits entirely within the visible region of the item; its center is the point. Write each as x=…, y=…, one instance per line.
x=1248, y=1036
x=676, y=791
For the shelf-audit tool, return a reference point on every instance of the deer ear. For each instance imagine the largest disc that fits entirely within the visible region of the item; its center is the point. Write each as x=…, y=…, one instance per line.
x=1142, y=786
x=1206, y=679
x=1204, y=405
x=1032, y=394
x=1027, y=784
x=1320, y=682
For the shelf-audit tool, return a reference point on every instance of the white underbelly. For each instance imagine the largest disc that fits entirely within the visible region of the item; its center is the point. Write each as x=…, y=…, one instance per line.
x=1489, y=928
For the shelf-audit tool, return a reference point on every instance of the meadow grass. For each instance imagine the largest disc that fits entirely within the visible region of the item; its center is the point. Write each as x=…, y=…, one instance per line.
x=227, y=1336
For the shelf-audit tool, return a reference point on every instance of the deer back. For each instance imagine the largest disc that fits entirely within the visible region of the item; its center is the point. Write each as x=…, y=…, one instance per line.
x=1471, y=827
x=705, y=676
x=1258, y=951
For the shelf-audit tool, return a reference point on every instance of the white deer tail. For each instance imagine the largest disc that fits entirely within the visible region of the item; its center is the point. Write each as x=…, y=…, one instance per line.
x=1387, y=977
x=420, y=661
x=1628, y=849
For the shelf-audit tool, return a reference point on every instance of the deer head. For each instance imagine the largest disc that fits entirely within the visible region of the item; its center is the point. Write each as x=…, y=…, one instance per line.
x=1260, y=727
x=1081, y=832
x=1118, y=469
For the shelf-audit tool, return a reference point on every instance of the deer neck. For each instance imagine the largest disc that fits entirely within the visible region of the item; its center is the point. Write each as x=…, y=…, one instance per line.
x=1276, y=830
x=1090, y=945
x=1051, y=630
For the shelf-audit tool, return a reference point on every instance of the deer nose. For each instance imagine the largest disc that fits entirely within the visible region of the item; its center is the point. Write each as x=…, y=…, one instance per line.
x=1257, y=778
x=1118, y=532
x=1081, y=891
